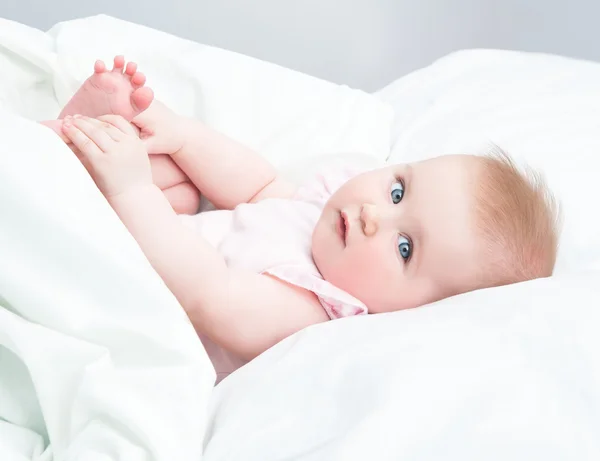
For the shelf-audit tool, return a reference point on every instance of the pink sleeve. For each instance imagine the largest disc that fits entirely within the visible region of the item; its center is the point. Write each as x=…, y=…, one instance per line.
x=336, y=302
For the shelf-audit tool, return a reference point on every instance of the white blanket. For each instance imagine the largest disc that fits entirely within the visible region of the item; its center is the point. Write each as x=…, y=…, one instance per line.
x=97, y=359
x=96, y=356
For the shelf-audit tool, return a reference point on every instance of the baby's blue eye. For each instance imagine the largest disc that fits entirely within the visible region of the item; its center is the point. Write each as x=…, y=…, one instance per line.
x=404, y=247
x=397, y=192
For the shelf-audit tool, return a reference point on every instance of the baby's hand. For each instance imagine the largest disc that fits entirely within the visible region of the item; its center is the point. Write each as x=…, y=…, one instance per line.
x=162, y=131
x=111, y=152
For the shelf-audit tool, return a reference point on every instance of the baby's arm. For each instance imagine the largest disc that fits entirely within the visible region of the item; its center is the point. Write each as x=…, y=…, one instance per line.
x=244, y=312
x=225, y=171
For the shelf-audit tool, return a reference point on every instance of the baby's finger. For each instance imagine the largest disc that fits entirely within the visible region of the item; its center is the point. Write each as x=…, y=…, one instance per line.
x=82, y=158
x=97, y=135
x=115, y=133
x=83, y=143
x=122, y=124
x=75, y=150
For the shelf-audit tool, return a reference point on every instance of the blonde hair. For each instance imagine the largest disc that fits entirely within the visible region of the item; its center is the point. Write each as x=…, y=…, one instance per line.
x=518, y=219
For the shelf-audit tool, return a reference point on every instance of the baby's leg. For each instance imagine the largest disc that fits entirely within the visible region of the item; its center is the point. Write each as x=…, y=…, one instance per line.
x=122, y=92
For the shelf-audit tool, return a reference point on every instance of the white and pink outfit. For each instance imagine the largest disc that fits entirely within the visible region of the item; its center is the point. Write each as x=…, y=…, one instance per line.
x=274, y=236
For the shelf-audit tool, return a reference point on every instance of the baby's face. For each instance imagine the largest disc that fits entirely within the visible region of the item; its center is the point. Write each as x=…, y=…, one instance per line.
x=401, y=236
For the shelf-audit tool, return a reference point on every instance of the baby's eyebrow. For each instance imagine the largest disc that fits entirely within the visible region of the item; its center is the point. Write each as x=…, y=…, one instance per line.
x=408, y=175
x=407, y=179
x=416, y=233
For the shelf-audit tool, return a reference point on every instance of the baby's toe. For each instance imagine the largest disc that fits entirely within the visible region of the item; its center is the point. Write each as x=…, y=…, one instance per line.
x=138, y=79
x=99, y=67
x=131, y=68
x=118, y=63
x=142, y=98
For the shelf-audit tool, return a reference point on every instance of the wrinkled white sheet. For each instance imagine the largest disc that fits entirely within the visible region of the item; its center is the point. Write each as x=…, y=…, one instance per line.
x=96, y=356
x=97, y=359
x=508, y=373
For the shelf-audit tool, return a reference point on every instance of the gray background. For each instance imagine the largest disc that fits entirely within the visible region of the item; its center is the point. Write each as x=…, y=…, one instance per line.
x=363, y=43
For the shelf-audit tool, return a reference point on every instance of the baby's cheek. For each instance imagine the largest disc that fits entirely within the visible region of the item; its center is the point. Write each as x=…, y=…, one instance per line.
x=379, y=279
x=370, y=270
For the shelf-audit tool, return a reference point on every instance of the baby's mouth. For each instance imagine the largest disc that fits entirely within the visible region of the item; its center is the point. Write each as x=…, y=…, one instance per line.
x=343, y=226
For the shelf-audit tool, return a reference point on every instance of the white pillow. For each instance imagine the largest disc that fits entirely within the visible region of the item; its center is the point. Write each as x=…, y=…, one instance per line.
x=511, y=373
x=504, y=373
x=544, y=110
x=286, y=115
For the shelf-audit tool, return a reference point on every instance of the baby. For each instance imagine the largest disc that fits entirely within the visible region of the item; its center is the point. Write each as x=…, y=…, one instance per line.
x=274, y=258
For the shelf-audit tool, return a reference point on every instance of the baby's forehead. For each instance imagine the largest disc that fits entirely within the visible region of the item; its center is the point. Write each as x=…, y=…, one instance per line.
x=440, y=195
x=448, y=160
x=439, y=172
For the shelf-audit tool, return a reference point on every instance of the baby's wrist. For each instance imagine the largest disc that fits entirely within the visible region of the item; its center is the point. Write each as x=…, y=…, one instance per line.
x=189, y=129
x=133, y=195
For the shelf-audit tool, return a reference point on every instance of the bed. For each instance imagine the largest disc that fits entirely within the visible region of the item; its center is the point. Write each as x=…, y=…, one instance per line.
x=99, y=362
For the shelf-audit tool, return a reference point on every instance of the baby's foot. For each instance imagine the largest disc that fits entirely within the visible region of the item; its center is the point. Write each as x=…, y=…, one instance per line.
x=120, y=91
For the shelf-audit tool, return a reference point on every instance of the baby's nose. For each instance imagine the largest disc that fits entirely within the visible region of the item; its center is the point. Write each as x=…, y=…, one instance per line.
x=369, y=217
